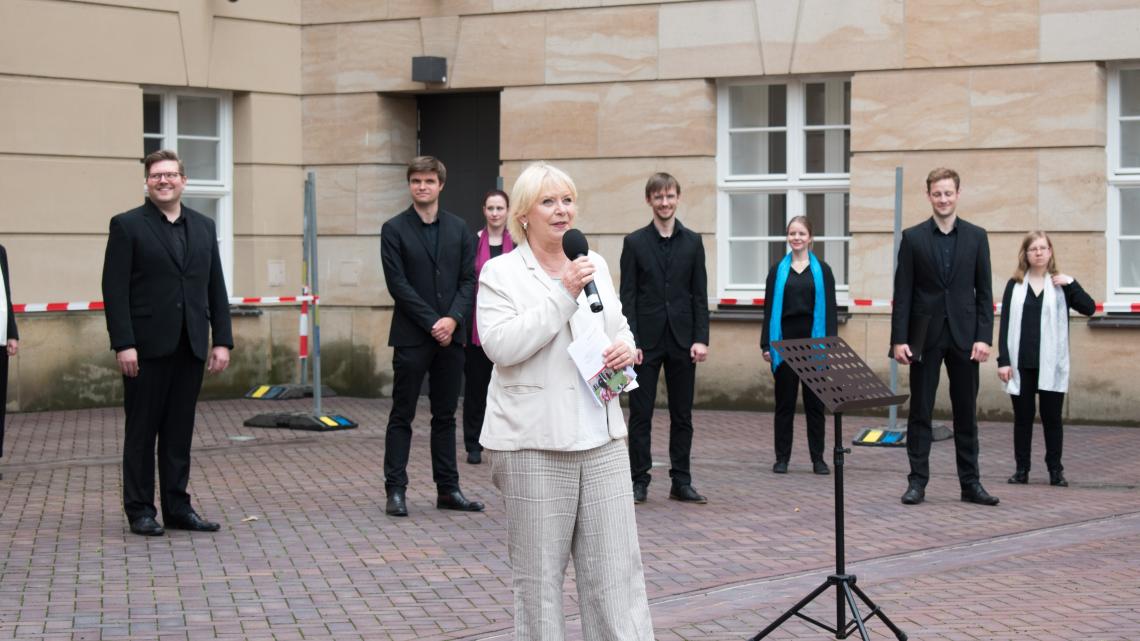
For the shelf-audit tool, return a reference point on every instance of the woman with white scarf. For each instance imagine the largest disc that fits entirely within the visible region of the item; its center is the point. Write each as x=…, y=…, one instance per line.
x=9, y=337
x=1033, y=356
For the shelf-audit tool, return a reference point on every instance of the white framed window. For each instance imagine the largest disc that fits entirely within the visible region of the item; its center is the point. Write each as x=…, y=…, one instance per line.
x=199, y=126
x=1123, y=153
x=783, y=149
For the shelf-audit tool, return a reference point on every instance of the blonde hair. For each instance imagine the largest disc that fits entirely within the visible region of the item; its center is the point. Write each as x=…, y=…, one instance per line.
x=536, y=179
x=1023, y=255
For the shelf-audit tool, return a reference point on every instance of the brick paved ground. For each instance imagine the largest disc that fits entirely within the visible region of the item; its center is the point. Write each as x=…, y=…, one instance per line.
x=322, y=561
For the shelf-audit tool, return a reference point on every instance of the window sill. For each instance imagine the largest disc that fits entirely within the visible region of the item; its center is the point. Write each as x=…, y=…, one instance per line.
x=755, y=313
x=1115, y=321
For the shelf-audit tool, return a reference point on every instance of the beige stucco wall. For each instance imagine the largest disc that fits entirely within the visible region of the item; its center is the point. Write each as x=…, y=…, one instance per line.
x=611, y=90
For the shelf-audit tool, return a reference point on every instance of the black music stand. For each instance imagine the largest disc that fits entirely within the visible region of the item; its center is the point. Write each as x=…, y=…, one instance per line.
x=831, y=369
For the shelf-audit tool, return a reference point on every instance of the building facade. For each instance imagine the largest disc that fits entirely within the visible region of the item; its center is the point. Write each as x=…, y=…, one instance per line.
x=763, y=109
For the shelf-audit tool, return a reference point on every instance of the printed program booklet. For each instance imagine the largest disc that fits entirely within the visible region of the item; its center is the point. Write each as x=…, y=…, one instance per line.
x=605, y=382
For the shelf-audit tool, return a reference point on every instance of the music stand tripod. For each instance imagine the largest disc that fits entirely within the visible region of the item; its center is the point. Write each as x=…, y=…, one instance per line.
x=836, y=374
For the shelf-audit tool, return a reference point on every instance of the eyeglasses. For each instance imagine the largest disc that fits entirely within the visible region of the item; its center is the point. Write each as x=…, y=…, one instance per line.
x=169, y=176
x=1037, y=250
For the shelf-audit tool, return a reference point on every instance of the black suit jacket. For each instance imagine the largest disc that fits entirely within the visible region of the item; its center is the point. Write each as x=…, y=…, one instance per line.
x=148, y=297
x=655, y=295
x=965, y=300
x=12, y=332
x=427, y=285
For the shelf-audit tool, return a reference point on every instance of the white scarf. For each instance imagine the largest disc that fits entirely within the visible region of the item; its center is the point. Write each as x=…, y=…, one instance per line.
x=3, y=312
x=1053, y=373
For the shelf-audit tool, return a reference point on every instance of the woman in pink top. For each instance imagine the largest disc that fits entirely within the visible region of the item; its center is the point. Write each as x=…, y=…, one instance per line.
x=491, y=241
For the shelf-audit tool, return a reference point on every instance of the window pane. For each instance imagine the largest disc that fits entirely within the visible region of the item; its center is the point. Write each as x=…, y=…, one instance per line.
x=197, y=116
x=827, y=103
x=828, y=216
x=748, y=261
x=1130, y=92
x=152, y=113
x=827, y=151
x=1130, y=212
x=200, y=158
x=777, y=249
x=834, y=253
x=758, y=106
x=827, y=213
x=151, y=145
x=757, y=215
x=847, y=102
x=758, y=152
x=1130, y=144
x=206, y=206
x=1130, y=263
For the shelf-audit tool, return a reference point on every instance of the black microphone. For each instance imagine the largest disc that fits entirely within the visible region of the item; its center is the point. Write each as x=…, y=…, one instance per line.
x=574, y=244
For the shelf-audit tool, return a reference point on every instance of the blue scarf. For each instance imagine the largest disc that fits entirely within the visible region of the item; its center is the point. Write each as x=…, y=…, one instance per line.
x=818, y=322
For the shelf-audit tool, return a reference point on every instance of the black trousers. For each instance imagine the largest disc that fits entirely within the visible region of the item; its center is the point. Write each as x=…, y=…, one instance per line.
x=159, y=405
x=680, y=378
x=1024, y=411
x=785, y=390
x=963, y=375
x=476, y=378
x=444, y=368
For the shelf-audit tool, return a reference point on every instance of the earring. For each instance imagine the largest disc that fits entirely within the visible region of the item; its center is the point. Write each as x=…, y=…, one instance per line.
x=524, y=225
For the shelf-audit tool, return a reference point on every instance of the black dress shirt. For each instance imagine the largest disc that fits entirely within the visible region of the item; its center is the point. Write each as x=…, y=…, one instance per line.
x=799, y=304
x=177, y=231
x=665, y=247
x=944, y=246
x=1029, y=353
x=431, y=233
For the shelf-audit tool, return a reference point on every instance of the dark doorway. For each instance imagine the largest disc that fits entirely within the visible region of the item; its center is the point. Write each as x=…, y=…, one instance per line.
x=462, y=130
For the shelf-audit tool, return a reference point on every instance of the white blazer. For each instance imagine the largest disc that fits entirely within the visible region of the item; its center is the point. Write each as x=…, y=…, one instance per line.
x=526, y=321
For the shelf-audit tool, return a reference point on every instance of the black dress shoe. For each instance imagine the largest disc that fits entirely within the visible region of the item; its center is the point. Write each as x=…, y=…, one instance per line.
x=454, y=500
x=819, y=467
x=914, y=495
x=474, y=457
x=780, y=467
x=396, y=505
x=975, y=493
x=1020, y=477
x=190, y=521
x=146, y=526
x=687, y=494
x=1058, y=479
x=640, y=492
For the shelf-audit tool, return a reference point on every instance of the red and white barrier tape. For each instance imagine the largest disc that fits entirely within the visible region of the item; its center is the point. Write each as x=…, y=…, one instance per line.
x=854, y=302
x=878, y=303
x=863, y=303
x=95, y=305
x=303, y=328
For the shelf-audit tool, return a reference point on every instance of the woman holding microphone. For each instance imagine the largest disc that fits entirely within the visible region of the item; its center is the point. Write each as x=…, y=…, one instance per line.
x=557, y=454
x=1033, y=350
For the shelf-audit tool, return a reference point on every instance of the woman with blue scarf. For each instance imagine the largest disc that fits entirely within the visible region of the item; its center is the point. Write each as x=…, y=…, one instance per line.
x=799, y=302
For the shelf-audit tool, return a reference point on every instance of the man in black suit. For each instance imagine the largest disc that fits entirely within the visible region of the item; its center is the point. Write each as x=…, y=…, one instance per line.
x=163, y=293
x=664, y=296
x=943, y=312
x=428, y=256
